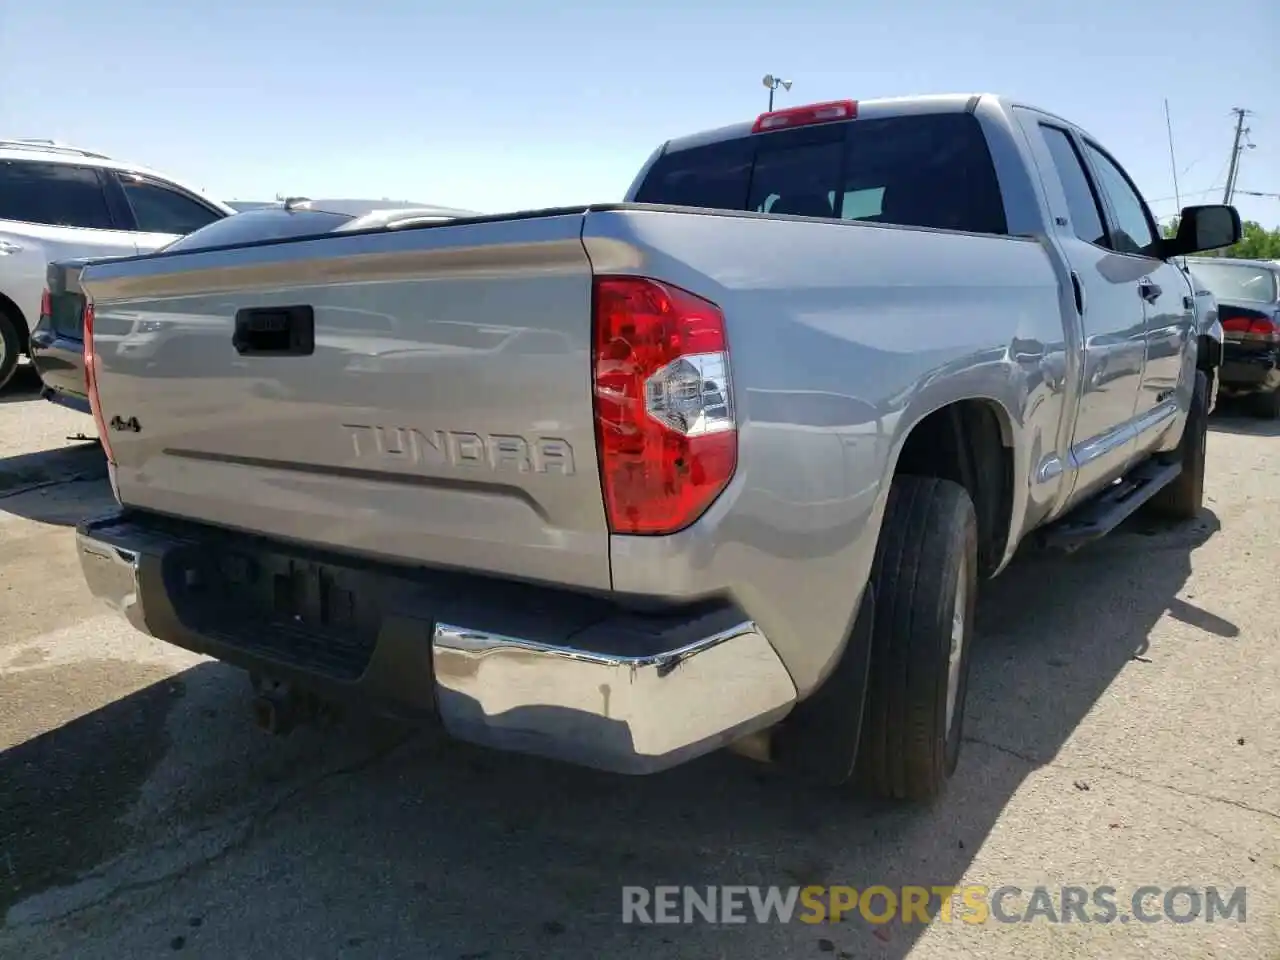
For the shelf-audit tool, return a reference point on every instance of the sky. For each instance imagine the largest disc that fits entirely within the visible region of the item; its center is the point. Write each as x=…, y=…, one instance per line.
x=500, y=105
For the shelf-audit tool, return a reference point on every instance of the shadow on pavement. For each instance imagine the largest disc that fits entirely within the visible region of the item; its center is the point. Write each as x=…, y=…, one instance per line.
x=24, y=386
x=455, y=851
x=62, y=793
x=58, y=486
x=1234, y=415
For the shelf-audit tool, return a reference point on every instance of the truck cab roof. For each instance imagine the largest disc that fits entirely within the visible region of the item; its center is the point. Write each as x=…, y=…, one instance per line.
x=867, y=110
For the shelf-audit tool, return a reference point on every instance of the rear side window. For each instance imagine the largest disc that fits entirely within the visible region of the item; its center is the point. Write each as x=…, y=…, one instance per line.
x=252, y=226
x=716, y=176
x=159, y=209
x=54, y=194
x=926, y=170
x=1082, y=204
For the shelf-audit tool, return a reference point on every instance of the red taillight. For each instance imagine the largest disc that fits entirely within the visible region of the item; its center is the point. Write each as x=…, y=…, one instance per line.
x=800, y=116
x=91, y=381
x=666, y=433
x=46, y=304
x=1251, y=326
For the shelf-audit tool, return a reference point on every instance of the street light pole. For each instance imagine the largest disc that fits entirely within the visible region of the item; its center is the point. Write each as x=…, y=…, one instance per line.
x=772, y=83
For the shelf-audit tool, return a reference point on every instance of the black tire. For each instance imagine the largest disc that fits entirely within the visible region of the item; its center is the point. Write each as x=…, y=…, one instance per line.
x=927, y=551
x=1266, y=405
x=10, y=348
x=1184, y=498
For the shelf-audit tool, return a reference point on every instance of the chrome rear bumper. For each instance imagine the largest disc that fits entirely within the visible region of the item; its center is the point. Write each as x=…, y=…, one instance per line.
x=627, y=713
x=624, y=692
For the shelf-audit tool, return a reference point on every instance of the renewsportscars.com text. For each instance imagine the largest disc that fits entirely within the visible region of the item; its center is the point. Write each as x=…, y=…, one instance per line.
x=973, y=904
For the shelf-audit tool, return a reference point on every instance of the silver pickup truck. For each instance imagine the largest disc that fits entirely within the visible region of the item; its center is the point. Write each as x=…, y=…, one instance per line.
x=721, y=465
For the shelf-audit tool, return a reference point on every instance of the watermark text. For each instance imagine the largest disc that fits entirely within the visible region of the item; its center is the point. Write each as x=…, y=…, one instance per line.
x=972, y=904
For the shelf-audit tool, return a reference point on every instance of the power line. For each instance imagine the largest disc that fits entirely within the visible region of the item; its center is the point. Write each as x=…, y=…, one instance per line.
x=1221, y=174
x=1232, y=165
x=1189, y=193
x=1198, y=160
x=1217, y=180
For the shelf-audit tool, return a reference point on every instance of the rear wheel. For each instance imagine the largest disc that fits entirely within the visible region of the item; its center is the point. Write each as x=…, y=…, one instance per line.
x=1183, y=499
x=10, y=348
x=925, y=585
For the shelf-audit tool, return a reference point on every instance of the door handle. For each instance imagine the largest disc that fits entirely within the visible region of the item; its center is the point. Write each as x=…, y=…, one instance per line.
x=275, y=332
x=1077, y=290
x=1149, y=291
x=6, y=247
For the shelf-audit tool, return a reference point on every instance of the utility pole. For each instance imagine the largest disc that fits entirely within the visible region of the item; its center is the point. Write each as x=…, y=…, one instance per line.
x=1237, y=147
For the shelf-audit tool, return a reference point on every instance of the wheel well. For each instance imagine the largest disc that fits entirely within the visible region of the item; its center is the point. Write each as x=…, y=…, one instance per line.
x=1208, y=353
x=968, y=442
x=19, y=321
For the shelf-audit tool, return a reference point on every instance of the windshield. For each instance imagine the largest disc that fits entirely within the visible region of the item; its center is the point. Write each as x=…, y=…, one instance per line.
x=924, y=170
x=1238, y=281
x=253, y=225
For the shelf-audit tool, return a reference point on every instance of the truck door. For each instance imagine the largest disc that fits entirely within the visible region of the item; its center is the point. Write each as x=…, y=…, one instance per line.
x=1168, y=306
x=1106, y=290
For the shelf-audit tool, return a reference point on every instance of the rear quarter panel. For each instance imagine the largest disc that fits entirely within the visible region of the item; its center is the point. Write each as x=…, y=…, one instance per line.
x=842, y=337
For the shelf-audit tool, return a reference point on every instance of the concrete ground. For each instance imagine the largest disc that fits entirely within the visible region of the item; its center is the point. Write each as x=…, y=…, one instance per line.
x=1122, y=730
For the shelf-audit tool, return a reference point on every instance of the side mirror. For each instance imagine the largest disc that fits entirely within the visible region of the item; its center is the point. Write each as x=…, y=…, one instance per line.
x=1207, y=227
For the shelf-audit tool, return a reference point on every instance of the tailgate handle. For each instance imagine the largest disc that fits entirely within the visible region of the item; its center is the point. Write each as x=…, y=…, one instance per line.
x=275, y=331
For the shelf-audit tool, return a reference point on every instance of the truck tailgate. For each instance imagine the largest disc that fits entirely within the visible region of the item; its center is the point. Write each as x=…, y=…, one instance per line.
x=421, y=396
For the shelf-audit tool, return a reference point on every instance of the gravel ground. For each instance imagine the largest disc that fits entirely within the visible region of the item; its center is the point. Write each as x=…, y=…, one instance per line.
x=1123, y=731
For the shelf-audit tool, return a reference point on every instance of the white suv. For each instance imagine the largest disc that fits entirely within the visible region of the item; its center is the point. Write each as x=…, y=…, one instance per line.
x=58, y=202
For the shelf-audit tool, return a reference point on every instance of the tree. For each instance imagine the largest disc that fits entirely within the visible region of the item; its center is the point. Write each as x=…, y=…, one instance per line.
x=1256, y=244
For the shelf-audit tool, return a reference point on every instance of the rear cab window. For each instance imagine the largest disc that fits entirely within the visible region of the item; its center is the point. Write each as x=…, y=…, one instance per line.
x=919, y=170
x=252, y=226
x=53, y=194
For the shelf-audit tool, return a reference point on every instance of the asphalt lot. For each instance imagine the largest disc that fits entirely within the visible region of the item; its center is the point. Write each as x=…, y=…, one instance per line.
x=1122, y=730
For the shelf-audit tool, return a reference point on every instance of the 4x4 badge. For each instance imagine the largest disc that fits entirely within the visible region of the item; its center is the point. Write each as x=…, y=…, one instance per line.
x=121, y=425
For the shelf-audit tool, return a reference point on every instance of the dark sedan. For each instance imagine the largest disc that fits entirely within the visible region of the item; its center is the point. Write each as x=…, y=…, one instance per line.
x=1248, y=295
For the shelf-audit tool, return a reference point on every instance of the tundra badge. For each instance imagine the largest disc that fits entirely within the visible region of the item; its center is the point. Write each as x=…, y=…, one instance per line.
x=412, y=446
